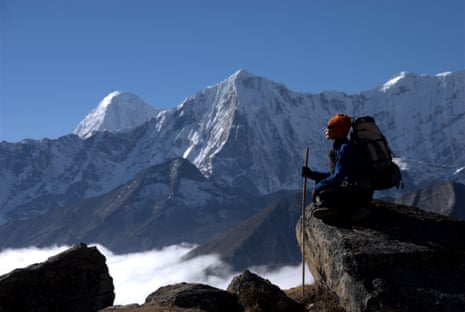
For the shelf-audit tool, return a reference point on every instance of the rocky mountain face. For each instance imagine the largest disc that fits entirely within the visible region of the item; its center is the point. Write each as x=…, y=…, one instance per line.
x=244, y=135
x=446, y=198
x=399, y=259
x=265, y=239
x=165, y=204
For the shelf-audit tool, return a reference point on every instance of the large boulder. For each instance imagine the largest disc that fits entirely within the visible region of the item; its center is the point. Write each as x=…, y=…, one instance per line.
x=193, y=296
x=74, y=280
x=400, y=258
x=259, y=295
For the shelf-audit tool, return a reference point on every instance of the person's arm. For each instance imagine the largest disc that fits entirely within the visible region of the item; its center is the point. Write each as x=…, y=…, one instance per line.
x=341, y=170
x=314, y=175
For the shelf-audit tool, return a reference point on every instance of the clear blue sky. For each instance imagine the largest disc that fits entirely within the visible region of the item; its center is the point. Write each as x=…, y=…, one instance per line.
x=59, y=58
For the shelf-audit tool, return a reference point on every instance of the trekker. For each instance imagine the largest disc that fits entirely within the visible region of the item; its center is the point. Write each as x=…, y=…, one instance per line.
x=345, y=190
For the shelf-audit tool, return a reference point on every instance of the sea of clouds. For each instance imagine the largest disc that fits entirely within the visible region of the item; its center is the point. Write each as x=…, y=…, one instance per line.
x=137, y=275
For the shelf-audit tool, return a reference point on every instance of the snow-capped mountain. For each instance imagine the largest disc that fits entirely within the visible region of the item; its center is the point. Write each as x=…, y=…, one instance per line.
x=256, y=130
x=152, y=210
x=117, y=111
x=246, y=131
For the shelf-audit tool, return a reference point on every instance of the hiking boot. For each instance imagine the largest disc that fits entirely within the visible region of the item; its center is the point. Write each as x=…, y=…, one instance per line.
x=324, y=212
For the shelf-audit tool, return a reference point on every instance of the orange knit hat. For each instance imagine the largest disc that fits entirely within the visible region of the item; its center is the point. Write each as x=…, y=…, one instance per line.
x=341, y=124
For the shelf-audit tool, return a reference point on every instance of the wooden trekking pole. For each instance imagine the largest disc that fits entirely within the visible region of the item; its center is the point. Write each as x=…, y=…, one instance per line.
x=304, y=199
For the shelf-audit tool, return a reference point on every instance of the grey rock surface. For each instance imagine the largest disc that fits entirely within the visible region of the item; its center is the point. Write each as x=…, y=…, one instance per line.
x=400, y=257
x=74, y=280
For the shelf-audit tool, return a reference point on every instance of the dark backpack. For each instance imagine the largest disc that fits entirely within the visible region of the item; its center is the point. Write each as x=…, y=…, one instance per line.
x=383, y=172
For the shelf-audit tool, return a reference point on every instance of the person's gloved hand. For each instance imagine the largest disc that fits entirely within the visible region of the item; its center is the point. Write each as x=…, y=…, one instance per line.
x=308, y=173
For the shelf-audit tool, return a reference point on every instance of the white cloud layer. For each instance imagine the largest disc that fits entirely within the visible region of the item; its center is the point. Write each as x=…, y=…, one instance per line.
x=136, y=275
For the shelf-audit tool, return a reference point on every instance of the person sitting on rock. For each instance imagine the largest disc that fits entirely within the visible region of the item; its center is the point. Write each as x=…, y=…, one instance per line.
x=345, y=190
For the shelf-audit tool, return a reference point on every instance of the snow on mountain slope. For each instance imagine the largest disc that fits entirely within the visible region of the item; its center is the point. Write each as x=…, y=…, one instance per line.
x=152, y=210
x=252, y=132
x=246, y=131
x=31, y=171
x=424, y=120
x=117, y=111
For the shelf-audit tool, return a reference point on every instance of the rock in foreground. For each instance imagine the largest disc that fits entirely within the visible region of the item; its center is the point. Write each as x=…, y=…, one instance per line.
x=247, y=292
x=74, y=280
x=199, y=296
x=258, y=294
x=400, y=259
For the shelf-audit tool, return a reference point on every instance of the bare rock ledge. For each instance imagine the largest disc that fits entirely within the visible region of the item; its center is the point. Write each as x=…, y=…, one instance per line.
x=399, y=259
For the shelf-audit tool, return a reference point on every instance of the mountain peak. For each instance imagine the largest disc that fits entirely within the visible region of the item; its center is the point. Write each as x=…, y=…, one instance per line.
x=395, y=80
x=117, y=111
x=242, y=73
x=109, y=99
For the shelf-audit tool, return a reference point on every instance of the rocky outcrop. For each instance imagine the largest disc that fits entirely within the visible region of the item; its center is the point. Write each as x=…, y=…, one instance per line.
x=399, y=259
x=259, y=295
x=74, y=280
x=199, y=296
x=447, y=198
x=247, y=292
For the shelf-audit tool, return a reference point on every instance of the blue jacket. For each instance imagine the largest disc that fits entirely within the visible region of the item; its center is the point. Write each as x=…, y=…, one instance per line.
x=348, y=167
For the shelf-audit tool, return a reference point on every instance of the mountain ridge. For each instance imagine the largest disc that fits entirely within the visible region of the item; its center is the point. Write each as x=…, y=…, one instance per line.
x=247, y=132
x=152, y=210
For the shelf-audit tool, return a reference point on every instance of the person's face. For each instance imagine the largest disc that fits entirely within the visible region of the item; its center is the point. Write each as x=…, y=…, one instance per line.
x=329, y=133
